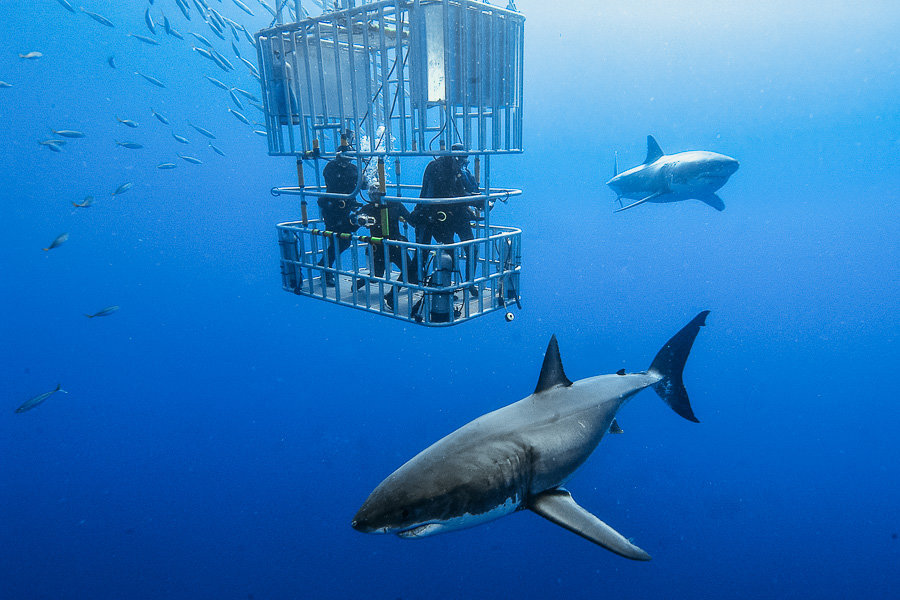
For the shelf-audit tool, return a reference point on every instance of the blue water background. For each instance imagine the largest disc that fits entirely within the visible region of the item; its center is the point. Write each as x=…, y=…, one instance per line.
x=219, y=433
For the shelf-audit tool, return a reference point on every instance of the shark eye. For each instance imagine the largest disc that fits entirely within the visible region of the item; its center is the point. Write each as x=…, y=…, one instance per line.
x=404, y=513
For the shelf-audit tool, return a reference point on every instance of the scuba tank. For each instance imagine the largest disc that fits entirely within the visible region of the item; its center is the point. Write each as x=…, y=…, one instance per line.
x=442, y=302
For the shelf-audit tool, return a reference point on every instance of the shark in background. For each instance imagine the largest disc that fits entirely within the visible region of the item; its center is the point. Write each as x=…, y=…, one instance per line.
x=520, y=456
x=672, y=177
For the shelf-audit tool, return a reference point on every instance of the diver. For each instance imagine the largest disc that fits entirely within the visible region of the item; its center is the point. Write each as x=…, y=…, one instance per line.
x=447, y=177
x=370, y=216
x=341, y=177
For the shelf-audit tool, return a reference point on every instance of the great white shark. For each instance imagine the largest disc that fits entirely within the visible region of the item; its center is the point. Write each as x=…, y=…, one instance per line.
x=673, y=177
x=520, y=456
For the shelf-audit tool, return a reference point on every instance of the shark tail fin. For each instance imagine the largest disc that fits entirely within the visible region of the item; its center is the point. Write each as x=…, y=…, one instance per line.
x=669, y=365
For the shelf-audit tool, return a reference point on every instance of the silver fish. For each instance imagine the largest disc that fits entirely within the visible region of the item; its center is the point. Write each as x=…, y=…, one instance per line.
x=216, y=82
x=149, y=21
x=202, y=52
x=175, y=34
x=216, y=150
x=166, y=165
x=239, y=116
x=69, y=133
x=246, y=94
x=31, y=55
x=243, y=7
x=111, y=61
x=250, y=66
x=144, y=39
x=260, y=132
x=127, y=122
x=203, y=131
x=163, y=119
x=191, y=159
x=222, y=61
x=51, y=142
x=258, y=106
x=65, y=4
x=236, y=100
x=99, y=18
x=59, y=241
x=103, y=312
x=181, y=138
x=123, y=188
x=88, y=201
x=32, y=402
x=201, y=39
x=217, y=32
x=152, y=80
x=3, y=84
x=130, y=145
x=185, y=9
x=51, y=146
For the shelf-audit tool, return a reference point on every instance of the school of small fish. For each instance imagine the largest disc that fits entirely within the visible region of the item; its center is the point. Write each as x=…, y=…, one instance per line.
x=162, y=35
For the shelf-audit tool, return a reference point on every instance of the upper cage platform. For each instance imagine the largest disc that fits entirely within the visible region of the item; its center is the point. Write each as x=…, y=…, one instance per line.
x=404, y=75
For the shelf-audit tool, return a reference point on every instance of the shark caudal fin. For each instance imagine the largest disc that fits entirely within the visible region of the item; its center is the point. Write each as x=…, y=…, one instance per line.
x=669, y=365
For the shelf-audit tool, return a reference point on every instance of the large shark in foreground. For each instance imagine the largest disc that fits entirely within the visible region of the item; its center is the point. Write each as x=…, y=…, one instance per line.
x=520, y=456
x=672, y=177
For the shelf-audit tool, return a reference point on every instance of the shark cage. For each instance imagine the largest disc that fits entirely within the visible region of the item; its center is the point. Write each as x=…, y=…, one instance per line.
x=386, y=85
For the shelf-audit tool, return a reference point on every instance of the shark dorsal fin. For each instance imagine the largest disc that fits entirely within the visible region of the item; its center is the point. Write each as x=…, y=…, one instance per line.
x=653, y=151
x=552, y=373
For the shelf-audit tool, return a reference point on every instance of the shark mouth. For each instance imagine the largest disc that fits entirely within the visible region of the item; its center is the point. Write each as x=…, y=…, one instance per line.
x=421, y=530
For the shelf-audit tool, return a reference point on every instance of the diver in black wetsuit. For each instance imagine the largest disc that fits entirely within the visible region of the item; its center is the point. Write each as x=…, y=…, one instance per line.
x=447, y=177
x=396, y=211
x=341, y=176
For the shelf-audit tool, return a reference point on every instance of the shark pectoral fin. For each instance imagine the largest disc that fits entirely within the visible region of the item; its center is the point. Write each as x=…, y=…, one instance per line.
x=713, y=200
x=641, y=201
x=557, y=506
x=614, y=427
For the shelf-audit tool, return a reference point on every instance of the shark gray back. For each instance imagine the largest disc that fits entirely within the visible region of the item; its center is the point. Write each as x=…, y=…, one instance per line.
x=519, y=456
x=696, y=174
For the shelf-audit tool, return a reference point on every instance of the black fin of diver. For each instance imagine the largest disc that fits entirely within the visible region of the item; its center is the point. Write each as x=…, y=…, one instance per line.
x=552, y=373
x=653, y=151
x=669, y=364
x=713, y=200
x=557, y=506
x=614, y=427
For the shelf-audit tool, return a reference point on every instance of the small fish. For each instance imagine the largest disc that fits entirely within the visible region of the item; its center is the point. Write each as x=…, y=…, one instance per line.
x=260, y=132
x=235, y=99
x=130, y=145
x=111, y=61
x=103, y=312
x=144, y=39
x=123, y=188
x=166, y=166
x=163, y=119
x=216, y=150
x=258, y=106
x=191, y=159
x=250, y=66
x=65, y=4
x=222, y=61
x=248, y=36
x=175, y=34
x=235, y=48
x=243, y=7
x=149, y=21
x=127, y=122
x=166, y=25
x=201, y=6
x=203, y=131
x=31, y=55
x=88, y=200
x=51, y=146
x=239, y=116
x=216, y=82
x=246, y=94
x=32, y=402
x=217, y=32
x=201, y=39
x=59, y=241
x=202, y=52
x=3, y=84
x=152, y=80
x=185, y=9
x=181, y=138
x=69, y=133
x=99, y=18
x=51, y=142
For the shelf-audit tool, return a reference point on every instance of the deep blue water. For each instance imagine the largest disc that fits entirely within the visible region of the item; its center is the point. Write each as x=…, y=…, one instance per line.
x=219, y=433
